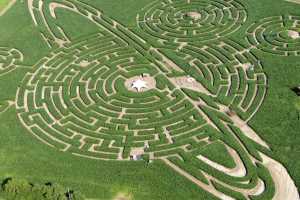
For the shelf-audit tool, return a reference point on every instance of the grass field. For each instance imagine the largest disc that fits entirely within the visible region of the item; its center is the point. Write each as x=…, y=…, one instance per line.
x=3, y=3
x=218, y=116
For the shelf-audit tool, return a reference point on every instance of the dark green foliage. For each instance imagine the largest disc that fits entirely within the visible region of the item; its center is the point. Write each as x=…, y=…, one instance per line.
x=18, y=189
x=217, y=152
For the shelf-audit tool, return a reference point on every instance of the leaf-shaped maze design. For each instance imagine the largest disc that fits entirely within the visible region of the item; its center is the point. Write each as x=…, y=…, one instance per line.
x=77, y=98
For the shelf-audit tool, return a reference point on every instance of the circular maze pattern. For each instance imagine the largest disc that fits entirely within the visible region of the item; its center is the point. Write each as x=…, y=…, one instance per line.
x=77, y=101
x=192, y=20
x=9, y=59
x=272, y=35
x=231, y=74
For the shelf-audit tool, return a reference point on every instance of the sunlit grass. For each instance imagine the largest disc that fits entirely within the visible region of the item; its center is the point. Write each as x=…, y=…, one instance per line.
x=3, y=4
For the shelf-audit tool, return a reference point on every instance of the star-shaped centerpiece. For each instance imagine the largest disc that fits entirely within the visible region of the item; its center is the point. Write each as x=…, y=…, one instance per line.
x=139, y=85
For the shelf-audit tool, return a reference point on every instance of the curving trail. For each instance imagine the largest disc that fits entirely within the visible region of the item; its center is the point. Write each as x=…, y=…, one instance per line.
x=7, y=7
x=294, y=1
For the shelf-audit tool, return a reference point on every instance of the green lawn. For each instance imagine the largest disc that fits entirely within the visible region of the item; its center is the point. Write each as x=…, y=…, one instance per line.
x=25, y=157
x=3, y=4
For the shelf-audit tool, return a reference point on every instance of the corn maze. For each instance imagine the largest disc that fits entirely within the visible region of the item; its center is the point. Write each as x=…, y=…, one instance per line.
x=275, y=35
x=205, y=89
x=187, y=21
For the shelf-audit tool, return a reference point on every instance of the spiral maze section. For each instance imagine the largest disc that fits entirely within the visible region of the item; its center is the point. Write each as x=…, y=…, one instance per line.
x=191, y=20
x=279, y=35
x=77, y=101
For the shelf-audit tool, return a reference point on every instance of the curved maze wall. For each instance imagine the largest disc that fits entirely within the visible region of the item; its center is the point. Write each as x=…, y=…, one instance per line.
x=232, y=75
x=168, y=20
x=88, y=110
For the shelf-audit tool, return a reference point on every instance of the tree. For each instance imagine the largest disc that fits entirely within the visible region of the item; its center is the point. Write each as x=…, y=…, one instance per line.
x=16, y=189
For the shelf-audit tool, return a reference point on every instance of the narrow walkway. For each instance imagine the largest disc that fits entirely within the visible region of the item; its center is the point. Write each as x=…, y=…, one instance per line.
x=7, y=7
x=208, y=188
x=294, y=1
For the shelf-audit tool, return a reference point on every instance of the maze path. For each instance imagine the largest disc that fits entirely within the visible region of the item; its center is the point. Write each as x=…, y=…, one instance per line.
x=271, y=35
x=191, y=20
x=9, y=59
x=88, y=110
x=231, y=74
x=7, y=7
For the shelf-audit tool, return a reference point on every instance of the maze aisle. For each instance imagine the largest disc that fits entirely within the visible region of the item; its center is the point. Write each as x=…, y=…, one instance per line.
x=231, y=74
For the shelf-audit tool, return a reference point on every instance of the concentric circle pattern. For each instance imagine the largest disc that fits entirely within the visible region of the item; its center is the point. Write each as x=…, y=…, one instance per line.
x=87, y=110
x=192, y=20
x=77, y=99
x=231, y=74
x=277, y=35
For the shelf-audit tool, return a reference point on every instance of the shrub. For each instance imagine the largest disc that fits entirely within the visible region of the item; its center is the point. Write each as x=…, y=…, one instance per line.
x=18, y=189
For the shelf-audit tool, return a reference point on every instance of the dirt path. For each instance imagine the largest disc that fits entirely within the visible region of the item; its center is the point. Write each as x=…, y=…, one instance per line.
x=190, y=83
x=208, y=188
x=294, y=1
x=122, y=196
x=245, y=128
x=238, y=171
x=284, y=186
x=11, y=3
